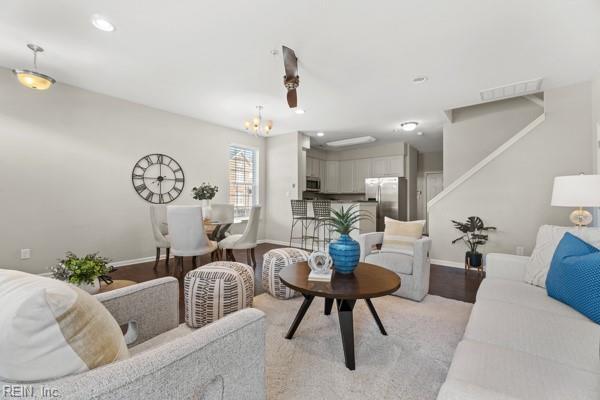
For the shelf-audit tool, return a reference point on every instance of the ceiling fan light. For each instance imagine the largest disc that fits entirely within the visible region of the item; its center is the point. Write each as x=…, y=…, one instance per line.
x=33, y=80
x=299, y=111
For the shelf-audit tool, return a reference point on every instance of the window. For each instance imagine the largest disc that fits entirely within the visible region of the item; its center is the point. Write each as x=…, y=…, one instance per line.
x=243, y=190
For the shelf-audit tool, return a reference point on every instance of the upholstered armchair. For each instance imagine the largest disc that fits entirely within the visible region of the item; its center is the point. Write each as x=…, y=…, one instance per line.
x=413, y=267
x=223, y=360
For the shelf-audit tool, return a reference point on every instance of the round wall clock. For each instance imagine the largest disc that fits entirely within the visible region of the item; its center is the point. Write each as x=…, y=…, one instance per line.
x=158, y=178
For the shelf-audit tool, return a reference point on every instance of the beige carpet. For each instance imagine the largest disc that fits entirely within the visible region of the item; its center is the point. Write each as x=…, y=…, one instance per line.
x=410, y=363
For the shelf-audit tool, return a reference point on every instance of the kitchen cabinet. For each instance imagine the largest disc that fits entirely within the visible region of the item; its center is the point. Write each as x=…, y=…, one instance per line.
x=323, y=175
x=313, y=167
x=387, y=166
x=332, y=176
x=346, y=184
x=362, y=171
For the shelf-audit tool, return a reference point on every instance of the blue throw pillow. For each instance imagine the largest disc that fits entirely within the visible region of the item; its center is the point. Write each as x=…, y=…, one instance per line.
x=574, y=276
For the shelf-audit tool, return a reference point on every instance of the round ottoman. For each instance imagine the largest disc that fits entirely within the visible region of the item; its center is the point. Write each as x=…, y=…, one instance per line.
x=273, y=262
x=214, y=290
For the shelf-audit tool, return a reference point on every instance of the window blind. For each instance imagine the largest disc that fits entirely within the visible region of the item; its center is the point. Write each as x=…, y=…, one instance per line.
x=242, y=180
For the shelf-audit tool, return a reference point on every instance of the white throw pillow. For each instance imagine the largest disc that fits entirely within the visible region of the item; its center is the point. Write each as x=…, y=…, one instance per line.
x=546, y=242
x=400, y=236
x=50, y=329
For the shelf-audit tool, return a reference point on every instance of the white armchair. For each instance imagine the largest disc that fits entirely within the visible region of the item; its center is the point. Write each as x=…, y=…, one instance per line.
x=413, y=268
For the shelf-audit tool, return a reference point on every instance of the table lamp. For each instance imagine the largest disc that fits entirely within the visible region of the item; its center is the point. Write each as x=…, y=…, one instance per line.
x=577, y=191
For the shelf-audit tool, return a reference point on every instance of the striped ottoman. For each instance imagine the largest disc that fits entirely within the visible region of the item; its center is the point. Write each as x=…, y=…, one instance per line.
x=273, y=262
x=214, y=290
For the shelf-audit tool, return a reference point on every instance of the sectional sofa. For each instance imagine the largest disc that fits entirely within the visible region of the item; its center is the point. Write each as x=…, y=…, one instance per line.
x=521, y=344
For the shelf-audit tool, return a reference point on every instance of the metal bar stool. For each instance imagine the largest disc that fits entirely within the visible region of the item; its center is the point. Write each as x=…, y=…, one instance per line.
x=300, y=214
x=321, y=212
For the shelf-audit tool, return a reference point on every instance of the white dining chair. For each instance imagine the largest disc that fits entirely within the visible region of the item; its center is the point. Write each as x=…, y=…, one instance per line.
x=160, y=231
x=187, y=235
x=245, y=241
x=224, y=215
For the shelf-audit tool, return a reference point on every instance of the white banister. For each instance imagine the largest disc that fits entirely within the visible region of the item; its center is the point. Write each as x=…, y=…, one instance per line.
x=477, y=167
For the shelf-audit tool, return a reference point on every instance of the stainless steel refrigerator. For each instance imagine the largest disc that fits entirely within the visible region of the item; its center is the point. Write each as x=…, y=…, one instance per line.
x=391, y=197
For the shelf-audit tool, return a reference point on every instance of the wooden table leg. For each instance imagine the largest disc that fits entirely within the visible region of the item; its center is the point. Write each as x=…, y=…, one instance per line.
x=374, y=313
x=328, y=305
x=345, y=308
x=303, y=308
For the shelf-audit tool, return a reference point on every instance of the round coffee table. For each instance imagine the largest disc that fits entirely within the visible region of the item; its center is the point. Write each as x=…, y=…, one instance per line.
x=367, y=281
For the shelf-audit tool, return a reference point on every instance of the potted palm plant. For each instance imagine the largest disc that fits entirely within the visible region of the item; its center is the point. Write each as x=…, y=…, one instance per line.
x=345, y=252
x=474, y=234
x=83, y=272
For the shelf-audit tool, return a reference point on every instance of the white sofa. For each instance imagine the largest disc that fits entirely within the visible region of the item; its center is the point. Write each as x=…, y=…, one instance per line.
x=522, y=344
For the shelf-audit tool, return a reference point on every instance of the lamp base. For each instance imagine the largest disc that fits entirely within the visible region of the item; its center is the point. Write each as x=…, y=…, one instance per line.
x=581, y=217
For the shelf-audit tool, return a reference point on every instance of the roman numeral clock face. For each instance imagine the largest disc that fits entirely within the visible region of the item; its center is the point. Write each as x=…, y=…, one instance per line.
x=158, y=178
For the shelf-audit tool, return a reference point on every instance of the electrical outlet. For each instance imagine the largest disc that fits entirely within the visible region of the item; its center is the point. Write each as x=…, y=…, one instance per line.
x=25, y=254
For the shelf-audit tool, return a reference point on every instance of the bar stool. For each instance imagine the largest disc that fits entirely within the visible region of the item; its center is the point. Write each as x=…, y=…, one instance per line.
x=322, y=212
x=300, y=214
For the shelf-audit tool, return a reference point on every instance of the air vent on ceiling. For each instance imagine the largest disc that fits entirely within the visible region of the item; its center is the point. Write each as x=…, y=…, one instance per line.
x=512, y=90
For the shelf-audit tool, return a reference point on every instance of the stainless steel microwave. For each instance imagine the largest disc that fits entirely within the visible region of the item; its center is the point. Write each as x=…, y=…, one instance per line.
x=313, y=184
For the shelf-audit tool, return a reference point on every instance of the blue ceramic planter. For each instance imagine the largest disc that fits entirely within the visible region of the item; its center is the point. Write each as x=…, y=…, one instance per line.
x=345, y=254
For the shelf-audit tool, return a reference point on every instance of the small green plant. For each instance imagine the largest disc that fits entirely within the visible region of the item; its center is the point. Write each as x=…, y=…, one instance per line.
x=474, y=233
x=344, y=220
x=206, y=191
x=78, y=270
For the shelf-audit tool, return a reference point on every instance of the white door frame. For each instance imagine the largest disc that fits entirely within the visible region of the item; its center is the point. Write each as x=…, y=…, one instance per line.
x=425, y=174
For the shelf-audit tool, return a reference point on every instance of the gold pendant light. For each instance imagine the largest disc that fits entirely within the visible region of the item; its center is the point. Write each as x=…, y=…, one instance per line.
x=256, y=124
x=34, y=79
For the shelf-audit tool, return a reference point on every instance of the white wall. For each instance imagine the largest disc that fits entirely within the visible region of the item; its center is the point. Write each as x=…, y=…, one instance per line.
x=282, y=179
x=427, y=162
x=596, y=135
x=66, y=157
x=513, y=191
x=477, y=131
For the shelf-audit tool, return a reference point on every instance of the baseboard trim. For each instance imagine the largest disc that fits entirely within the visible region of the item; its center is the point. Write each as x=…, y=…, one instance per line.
x=124, y=263
x=446, y=263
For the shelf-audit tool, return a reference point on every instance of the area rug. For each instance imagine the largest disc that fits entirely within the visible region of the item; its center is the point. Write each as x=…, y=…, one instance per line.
x=410, y=363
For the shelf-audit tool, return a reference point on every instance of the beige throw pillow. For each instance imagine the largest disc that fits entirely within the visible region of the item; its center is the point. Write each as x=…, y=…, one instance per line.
x=50, y=329
x=401, y=236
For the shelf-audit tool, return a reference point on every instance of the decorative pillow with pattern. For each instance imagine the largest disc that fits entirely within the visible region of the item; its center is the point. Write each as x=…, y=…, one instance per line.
x=50, y=329
x=400, y=236
x=574, y=276
x=546, y=242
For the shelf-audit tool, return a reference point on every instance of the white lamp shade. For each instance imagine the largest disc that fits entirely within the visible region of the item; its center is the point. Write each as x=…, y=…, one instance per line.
x=576, y=191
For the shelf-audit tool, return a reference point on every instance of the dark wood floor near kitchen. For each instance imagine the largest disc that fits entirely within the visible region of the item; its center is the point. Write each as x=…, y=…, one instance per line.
x=448, y=282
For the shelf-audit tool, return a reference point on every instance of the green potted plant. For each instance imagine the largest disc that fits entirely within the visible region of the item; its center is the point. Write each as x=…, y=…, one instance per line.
x=205, y=193
x=474, y=234
x=345, y=252
x=82, y=271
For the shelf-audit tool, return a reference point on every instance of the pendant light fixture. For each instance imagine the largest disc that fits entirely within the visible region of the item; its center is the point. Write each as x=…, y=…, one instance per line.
x=256, y=125
x=34, y=79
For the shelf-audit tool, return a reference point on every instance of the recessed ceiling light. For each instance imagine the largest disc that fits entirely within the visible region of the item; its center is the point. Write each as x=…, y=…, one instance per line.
x=299, y=111
x=102, y=23
x=419, y=133
x=409, y=126
x=350, y=142
x=320, y=134
x=420, y=79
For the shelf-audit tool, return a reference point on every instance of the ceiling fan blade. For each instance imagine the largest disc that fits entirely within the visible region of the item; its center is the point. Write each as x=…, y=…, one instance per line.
x=292, y=98
x=290, y=62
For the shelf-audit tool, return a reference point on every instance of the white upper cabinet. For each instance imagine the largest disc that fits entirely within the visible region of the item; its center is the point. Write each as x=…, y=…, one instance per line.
x=387, y=166
x=323, y=175
x=346, y=176
x=396, y=166
x=332, y=176
x=362, y=171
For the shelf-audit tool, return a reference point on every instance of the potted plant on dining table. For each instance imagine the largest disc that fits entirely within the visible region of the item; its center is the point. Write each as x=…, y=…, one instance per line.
x=205, y=193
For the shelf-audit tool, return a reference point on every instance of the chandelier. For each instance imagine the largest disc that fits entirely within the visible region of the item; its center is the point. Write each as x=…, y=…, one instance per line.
x=256, y=124
x=32, y=78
